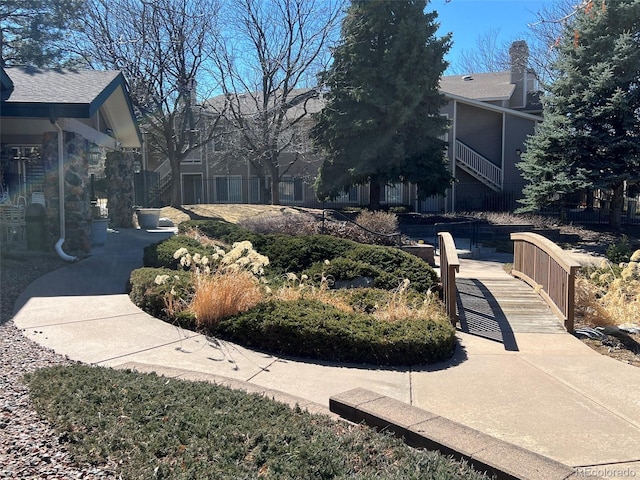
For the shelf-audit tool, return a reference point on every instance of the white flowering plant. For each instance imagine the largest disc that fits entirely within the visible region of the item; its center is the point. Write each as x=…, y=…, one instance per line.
x=223, y=283
x=241, y=256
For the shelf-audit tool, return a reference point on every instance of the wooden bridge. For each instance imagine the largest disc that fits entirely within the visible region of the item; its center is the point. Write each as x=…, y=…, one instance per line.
x=537, y=298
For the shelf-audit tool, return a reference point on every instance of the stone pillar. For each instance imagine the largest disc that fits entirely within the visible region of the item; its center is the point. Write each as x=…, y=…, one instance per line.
x=120, y=198
x=76, y=189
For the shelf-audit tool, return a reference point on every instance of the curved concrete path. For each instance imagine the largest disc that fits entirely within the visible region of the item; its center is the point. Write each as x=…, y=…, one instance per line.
x=553, y=395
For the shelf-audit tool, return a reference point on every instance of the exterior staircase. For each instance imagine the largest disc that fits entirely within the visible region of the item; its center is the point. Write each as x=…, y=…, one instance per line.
x=161, y=180
x=478, y=166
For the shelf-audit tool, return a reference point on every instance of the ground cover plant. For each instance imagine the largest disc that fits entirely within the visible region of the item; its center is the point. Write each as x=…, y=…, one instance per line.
x=287, y=306
x=296, y=253
x=153, y=427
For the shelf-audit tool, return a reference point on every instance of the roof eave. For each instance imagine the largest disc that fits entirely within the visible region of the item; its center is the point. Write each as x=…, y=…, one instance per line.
x=43, y=110
x=494, y=108
x=6, y=84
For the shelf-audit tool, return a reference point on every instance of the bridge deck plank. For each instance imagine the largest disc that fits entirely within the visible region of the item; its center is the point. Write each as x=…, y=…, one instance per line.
x=498, y=308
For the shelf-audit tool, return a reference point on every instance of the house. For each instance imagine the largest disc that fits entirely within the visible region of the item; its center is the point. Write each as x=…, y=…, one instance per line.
x=490, y=115
x=77, y=115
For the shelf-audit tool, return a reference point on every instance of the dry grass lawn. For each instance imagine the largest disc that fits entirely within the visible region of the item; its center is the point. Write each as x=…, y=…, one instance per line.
x=229, y=212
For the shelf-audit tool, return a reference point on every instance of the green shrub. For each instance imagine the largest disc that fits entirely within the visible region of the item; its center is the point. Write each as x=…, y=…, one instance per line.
x=396, y=266
x=388, y=266
x=150, y=296
x=150, y=426
x=342, y=269
x=226, y=232
x=368, y=300
x=345, y=269
x=161, y=254
x=620, y=251
x=289, y=253
x=312, y=329
x=295, y=254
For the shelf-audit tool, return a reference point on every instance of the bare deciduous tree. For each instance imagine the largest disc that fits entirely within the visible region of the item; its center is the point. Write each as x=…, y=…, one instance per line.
x=545, y=34
x=492, y=55
x=267, y=61
x=489, y=55
x=161, y=48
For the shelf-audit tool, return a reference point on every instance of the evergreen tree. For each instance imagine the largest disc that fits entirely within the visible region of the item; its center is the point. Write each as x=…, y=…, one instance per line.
x=32, y=31
x=382, y=123
x=590, y=135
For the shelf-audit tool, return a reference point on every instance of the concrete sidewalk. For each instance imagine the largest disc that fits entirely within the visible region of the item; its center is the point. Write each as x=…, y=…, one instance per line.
x=553, y=396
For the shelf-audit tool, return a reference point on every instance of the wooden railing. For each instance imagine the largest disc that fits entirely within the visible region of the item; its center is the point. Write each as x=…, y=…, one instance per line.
x=449, y=265
x=545, y=266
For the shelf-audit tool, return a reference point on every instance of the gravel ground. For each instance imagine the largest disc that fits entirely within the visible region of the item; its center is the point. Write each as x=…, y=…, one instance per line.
x=29, y=447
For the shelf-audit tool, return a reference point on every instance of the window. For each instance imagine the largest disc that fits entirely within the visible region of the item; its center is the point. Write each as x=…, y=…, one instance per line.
x=193, y=158
x=291, y=189
x=220, y=140
x=350, y=196
x=23, y=169
x=392, y=194
x=260, y=191
x=192, y=189
x=228, y=189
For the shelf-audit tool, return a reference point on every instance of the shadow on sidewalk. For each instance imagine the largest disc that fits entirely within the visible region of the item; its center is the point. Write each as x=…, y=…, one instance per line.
x=480, y=314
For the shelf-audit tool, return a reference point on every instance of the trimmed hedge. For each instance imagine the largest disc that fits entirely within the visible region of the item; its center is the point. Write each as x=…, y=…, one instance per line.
x=289, y=253
x=397, y=265
x=149, y=296
x=312, y=329
x=387, y=266
x=160, y=255
x=222, y=230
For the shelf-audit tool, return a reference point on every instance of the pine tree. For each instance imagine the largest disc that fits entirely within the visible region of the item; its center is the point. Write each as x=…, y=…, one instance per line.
x=382, y=123
x=32, y=31
x=590, y=135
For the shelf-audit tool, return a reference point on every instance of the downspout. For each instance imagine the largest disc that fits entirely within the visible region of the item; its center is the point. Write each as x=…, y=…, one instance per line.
x=61, y=240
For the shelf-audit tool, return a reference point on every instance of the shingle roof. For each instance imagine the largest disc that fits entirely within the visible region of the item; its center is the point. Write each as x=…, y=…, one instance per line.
x=59, y=93
x=300, y=100
x=479, y=86
x=33, y=85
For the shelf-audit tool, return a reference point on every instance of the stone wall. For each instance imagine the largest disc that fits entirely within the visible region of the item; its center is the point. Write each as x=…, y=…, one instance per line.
x=120, y=195
x=76, y=188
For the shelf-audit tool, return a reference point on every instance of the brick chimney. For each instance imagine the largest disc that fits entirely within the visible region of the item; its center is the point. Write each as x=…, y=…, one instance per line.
x=519, y=55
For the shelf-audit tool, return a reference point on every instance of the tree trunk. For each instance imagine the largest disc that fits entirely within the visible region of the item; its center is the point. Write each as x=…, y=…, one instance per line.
x=275, y=189
x=176, y=187
x=617, y=203
x=374, y=194
x=274, y=170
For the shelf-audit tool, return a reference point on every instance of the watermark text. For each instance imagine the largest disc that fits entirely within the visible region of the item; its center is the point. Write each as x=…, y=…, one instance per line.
x=605, y=472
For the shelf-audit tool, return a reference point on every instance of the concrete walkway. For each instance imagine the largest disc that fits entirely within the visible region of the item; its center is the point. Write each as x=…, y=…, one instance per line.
x=552, y=395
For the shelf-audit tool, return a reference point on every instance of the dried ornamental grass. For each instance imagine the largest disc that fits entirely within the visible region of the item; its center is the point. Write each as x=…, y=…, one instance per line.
x=610, y=296
x=399, y=307
x=297, y=288
x=203, y=239
x=226, y=283
x=224, y=294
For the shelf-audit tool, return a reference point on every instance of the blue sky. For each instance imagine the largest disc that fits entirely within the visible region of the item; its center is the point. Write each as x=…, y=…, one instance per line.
x=468, y=19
